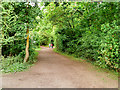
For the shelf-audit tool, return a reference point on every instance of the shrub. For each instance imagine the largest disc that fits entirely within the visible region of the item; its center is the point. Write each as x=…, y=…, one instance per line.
x=109, y=49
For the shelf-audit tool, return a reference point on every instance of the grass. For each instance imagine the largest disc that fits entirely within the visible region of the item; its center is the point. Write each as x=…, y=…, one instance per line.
x=38, y=49
x=110, y=73
x=69, y=56
x=36, y=53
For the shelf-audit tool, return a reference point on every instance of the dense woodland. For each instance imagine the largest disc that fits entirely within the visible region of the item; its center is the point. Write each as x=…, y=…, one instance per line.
x=89, y=30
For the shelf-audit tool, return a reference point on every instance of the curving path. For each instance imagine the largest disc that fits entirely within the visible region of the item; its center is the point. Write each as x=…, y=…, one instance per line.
x=56, y=71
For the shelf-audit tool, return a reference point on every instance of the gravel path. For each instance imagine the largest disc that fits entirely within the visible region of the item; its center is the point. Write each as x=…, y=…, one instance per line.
x=56, y=71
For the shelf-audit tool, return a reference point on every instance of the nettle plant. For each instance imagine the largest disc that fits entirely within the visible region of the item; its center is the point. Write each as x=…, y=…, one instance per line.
x=109, y=49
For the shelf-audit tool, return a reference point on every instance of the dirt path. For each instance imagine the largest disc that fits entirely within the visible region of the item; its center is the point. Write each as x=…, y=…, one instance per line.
x=56, y=71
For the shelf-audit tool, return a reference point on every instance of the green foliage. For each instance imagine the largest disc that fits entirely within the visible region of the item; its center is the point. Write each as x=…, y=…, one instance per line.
x=89, y=30
x=39, y=38
x=9, y=64
x=110, y=46
x=42, y=34
x=15, y=63
x=16, y=17
x=16, y=67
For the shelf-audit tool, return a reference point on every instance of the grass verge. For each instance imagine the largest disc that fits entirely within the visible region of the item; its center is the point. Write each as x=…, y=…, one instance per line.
x=110, y=73
x=37, y=49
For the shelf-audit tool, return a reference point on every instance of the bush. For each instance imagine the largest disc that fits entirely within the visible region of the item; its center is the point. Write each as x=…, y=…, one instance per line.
x=101, y=46
x=110, y=47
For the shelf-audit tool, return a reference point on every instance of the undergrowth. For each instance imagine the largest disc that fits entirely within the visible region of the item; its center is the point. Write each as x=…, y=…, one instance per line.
x=15, y=63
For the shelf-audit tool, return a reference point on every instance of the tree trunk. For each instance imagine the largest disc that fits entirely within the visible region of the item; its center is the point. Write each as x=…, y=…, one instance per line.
x=27, y=41
x=27, y=47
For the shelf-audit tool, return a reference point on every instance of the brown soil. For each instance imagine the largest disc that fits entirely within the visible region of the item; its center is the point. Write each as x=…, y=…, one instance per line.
x=56, y=71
